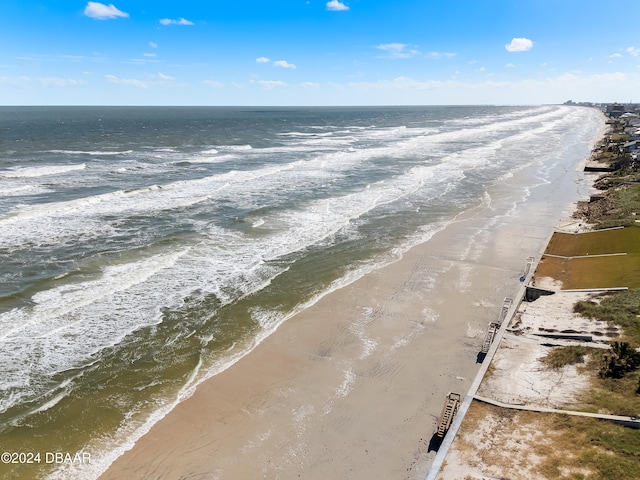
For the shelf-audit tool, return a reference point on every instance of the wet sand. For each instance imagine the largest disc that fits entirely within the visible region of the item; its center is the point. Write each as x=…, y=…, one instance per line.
x=351, y=388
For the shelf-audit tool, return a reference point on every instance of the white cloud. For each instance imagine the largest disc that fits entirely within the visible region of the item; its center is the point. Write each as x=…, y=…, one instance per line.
x=519, y=45
x=153, y=80
x=57, y=82
x=214, y=83
x=397, y=50
x=407, y=90
x=336, y=6
x=398, y=83
x=14, y=81
x=610, y=77
x=271, y=83
x=567, y=77
x=126, y=81
x=391, y=47
x=24, y=81
x=510, y=65
x=438, y=55
x=153, y=45
x=633, y=51
x=284, y=64
x=262, y=60
x=180, y=21
x=147, y=58
x=100, y=11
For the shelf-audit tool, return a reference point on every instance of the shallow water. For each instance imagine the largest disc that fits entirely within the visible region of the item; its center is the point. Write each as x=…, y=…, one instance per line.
x=145, y=249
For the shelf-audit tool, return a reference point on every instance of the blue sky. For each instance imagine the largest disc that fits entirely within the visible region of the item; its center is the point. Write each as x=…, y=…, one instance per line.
x=310, y=52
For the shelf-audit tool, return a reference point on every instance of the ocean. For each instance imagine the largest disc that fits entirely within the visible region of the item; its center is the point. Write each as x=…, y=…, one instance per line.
x=146, y=249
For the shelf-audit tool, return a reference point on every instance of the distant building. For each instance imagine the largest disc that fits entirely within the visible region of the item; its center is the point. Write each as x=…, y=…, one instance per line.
x=615, y=109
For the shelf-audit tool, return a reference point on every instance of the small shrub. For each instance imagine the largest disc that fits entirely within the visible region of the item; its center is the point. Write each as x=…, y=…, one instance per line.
x=620, y=360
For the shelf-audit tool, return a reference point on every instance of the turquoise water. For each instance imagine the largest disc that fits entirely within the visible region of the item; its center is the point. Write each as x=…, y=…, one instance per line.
x=143, y=250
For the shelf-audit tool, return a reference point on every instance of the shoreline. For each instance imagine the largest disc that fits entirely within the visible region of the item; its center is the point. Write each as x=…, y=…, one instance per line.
x=275, y=372
x=525, y=407
x=341, y=387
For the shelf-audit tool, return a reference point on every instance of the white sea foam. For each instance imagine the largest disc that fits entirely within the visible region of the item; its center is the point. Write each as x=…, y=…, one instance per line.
x=211, y=158
x=23, y=172
x=305, y=134
x=285, y=189
x=347, y=384
x=238, y=148
x=23, y=190
x=174, y=195
x=92, y=152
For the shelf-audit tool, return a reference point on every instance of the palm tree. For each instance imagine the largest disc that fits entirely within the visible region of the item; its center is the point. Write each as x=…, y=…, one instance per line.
x=621, y=359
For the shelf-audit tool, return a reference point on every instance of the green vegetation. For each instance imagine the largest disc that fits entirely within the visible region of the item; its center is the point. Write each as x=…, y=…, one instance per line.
x=619, y=361
x=615, y=363
x=622, y=197
x=614, y=377
x=617, y=209
x=615, y=373
x=590, y=449
x=628, y=199
x=623, y=240
x=562, y=356
x=582, y=448
x=584, y=268
x=554, y=446
x=592, y=272
x=620, y=308
x=619, y=137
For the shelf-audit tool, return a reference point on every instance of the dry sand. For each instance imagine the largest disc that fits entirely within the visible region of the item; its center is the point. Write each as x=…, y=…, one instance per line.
x=502, y=443
x=518, y=375
x=499, y=444
x=351, y=388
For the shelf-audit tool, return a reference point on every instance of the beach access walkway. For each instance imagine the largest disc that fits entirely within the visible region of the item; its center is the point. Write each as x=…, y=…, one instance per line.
x=627, y=421
x=505, y=318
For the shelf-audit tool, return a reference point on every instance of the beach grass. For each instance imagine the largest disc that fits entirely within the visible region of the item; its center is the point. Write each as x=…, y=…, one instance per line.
x=598, y=242
x=562, y=356
x=598, y=259
x=617, y=396
x=620, y=308
x=592, y=272
x=549, y=446
x=623, y=202
x=614, y=396
x=554, y=446
x=590, y=449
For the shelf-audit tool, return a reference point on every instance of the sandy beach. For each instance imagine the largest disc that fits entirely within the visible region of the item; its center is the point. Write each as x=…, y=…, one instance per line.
x=352, y=387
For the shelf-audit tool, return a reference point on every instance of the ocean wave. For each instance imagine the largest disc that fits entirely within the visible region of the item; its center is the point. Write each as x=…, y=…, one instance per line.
x=99, y=153
x=302, y=194
x=84, y=216
x=32, y=172
x=23, y=190
x=237, y=148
